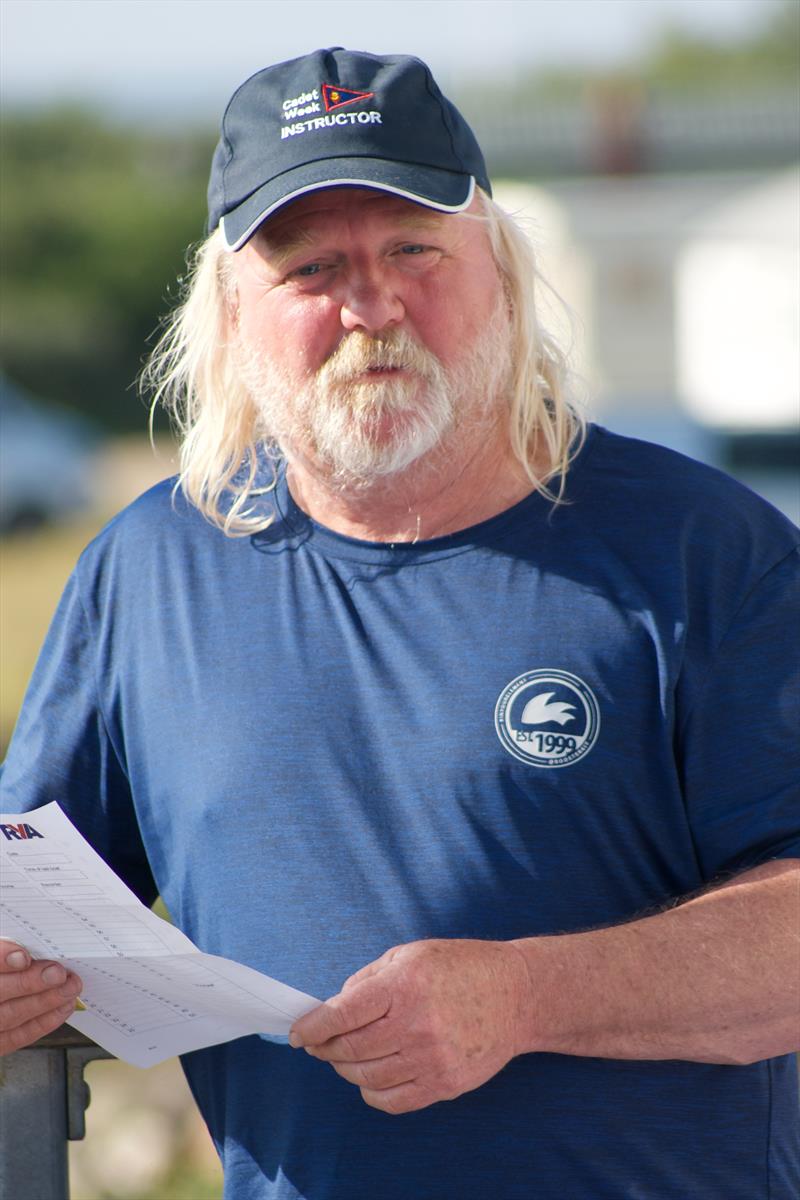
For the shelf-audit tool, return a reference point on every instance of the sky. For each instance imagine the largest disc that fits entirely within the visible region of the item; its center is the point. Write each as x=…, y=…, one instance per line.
x=183, y=58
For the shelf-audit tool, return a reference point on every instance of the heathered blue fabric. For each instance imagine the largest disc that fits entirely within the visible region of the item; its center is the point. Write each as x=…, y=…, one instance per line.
x=291, y=736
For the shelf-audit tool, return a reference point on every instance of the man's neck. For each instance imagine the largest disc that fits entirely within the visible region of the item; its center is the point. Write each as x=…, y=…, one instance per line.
x=442, y=493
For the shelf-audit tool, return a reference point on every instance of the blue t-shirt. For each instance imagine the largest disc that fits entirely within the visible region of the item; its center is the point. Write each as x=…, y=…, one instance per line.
x=316, y=748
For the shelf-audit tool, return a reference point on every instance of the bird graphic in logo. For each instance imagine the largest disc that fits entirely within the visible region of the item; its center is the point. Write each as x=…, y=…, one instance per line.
x=553, y=728
x=539, y=710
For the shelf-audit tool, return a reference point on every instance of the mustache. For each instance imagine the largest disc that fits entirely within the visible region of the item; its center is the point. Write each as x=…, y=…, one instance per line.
x=394, y=349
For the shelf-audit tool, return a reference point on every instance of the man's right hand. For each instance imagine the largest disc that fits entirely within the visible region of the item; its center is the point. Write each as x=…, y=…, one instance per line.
x=36, y=996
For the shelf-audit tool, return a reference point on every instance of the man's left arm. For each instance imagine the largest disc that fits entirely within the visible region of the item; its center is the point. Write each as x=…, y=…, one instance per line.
x=715, y=979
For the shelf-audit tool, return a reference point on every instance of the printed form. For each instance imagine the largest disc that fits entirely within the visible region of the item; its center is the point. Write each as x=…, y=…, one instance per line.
x=149, y=992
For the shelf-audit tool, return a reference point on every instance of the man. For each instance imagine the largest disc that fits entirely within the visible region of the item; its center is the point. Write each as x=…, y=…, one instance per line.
x=474, y=722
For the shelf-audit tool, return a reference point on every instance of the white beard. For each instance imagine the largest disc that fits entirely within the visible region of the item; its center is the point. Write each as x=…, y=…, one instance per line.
x=359, y=430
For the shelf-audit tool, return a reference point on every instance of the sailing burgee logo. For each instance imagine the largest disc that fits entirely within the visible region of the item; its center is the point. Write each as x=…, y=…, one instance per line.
x=336, y=97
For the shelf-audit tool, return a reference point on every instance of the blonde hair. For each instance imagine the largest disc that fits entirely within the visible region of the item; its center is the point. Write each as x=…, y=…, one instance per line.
x=192, y=373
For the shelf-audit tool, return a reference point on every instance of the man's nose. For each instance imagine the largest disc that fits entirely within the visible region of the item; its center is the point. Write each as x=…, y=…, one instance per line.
x=370, y=304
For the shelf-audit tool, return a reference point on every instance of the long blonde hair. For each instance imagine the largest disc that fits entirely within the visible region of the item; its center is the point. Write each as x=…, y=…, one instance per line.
x=193, y=374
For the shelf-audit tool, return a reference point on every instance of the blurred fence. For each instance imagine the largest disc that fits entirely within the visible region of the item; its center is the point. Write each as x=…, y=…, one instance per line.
x=620, y=128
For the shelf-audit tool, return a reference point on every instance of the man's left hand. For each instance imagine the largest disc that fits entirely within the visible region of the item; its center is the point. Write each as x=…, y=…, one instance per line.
x=425, y=1022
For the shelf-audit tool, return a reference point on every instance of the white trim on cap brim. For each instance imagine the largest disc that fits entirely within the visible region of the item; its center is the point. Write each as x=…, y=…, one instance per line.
x=330, y=183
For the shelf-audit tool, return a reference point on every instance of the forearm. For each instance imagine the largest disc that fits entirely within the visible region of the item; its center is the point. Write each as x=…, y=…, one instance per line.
x=716, y=979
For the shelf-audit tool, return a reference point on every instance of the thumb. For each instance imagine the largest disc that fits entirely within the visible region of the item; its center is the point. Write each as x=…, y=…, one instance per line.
x=363, y=1003
x=13, y=957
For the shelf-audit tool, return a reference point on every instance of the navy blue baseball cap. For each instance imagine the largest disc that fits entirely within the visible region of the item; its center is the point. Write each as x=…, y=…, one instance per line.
x=338, y=118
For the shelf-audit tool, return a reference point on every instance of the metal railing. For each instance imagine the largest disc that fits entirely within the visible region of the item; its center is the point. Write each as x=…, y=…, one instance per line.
x=43, y=1101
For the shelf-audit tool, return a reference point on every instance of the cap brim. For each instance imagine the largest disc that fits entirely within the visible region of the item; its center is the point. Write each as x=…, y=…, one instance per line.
x=446, y=191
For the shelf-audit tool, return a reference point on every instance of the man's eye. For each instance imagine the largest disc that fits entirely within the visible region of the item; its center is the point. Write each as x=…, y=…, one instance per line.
x=413, y=248
x=308, y=269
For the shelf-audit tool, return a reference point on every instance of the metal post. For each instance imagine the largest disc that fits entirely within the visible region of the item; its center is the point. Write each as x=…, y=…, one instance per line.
x=43, y=1099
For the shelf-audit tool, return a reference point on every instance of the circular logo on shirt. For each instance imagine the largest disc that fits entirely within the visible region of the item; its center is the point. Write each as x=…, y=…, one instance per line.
x=547, y=718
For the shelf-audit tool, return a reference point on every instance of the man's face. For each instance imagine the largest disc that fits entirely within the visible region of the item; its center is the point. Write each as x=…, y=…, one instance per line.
x=370, y=331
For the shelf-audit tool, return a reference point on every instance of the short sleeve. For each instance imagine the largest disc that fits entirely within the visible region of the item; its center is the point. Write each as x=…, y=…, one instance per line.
x=61, y=749
x=738, y=748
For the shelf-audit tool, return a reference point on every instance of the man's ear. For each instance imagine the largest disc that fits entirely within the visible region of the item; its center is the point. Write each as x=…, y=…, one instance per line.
x=226, y=275
x=232, y=306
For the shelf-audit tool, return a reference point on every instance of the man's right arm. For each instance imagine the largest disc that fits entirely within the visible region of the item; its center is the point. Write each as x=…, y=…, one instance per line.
x=61, y=750
x=36, y=996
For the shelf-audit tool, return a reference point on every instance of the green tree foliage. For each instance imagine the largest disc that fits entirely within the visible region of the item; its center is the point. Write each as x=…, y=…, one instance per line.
x=769, y=57
x=95, y=223
x=677, y=61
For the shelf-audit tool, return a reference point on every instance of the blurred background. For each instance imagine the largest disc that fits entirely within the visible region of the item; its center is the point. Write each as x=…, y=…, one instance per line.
x=650, y=147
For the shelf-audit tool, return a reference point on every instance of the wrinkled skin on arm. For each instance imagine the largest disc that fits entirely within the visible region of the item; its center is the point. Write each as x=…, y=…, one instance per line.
x=715, y=979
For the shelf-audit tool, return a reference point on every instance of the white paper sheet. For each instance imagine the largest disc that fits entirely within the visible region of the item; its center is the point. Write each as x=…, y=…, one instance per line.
x=149, y=992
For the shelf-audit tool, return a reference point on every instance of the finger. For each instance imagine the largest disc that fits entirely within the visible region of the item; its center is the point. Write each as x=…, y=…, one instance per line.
x=408, y=1097
x=13, y=957
x=367, y=1001
x=378, y=1074
x=26, y=1008
x=31, y=1031
x=375, y=1040
x=39, y=977
x=370, y=969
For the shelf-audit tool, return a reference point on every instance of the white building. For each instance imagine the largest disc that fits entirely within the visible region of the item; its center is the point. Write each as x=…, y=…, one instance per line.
x=737, y=295
x=687, y=289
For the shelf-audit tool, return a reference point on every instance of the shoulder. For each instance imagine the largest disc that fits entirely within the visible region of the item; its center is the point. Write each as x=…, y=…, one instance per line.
x=651, y=491
x=164, y=502
x=676, y=537
x=157, y=534
x=675, y=476
x=158, y=516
